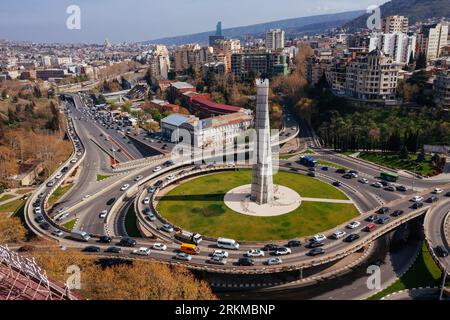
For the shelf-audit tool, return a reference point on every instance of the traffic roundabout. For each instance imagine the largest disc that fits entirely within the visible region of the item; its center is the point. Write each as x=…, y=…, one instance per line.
x=211, y=205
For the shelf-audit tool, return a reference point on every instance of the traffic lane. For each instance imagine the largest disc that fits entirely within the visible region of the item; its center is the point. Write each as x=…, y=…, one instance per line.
x=437, y=229
x=374, y=173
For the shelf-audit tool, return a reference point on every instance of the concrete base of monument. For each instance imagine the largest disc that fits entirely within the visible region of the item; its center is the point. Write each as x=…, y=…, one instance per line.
x=286, y=200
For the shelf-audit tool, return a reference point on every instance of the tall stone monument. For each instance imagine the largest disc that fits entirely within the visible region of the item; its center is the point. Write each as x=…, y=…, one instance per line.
x=262, y=177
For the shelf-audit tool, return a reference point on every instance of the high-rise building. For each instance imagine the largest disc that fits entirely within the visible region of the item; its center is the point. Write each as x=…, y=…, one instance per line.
x=192, y=55
x=217, y=36
x=223, y=49
x=250, y=64
x=437, y=40
x=394, y=24
x=275, y=39
x=398, y=45
x=159, y=63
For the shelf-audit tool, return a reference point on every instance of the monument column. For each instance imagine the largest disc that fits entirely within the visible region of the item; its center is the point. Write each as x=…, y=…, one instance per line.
x=262, y=177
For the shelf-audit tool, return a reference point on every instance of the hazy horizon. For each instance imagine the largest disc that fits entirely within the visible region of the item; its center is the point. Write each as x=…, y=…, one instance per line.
x=140, y=20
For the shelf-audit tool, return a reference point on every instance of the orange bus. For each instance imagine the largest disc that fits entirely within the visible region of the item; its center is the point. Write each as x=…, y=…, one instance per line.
x=190, y=249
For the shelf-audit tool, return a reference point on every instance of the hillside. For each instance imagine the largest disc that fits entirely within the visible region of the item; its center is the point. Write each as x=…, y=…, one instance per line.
x=293, y=27
x=415, y=10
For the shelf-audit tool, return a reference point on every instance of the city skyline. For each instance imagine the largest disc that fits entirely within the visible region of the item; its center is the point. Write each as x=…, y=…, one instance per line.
x=46, y=21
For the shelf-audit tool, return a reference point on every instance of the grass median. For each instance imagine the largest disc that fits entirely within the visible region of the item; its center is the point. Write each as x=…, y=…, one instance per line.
x=59, y=192
x=423, y=273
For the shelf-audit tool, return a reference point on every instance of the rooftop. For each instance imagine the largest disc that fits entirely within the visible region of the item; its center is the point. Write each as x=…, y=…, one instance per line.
x=176, y=119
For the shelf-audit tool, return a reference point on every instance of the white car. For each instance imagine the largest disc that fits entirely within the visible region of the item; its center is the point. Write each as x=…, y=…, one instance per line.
x=274, y=261
x=377, y=185
x=37, y=210
x=183, y=256
x=339, y=234
x=255, y=253
x=167, y=228
x=73, y=160
x=143, y=251
x=160, y=247
x=58, y=176
x=86, y=197
x=103, y=214
x=157, y=169
x=171, y=177
x=125, y=187
x=138, y=178
x=146, y=200
x=364, y=181
x=217, y=260
x=220, y=253
x=438, y=191
x=417, y=199
x=63, y=216
x=231, y=164
x=354, y=225
x=319, y=238
x=282, y=251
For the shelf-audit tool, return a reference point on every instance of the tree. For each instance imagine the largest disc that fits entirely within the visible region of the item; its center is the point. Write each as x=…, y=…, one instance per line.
x=421, y=62
x=11, y=230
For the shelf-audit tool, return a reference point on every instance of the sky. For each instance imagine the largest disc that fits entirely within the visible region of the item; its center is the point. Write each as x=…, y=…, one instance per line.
x=141, y=20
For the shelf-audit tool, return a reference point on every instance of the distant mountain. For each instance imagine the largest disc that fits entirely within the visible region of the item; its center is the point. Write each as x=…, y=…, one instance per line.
x=293, y=27
x=415, y=10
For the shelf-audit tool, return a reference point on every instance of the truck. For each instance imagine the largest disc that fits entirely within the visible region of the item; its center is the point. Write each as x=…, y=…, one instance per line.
x=80, y=235
x=187, y=237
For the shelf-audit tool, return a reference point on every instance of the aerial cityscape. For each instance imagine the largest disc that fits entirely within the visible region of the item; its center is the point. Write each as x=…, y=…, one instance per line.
x=263, y=158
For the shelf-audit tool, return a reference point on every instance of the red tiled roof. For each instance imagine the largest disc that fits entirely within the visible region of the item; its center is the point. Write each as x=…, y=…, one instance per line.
x=214, y=106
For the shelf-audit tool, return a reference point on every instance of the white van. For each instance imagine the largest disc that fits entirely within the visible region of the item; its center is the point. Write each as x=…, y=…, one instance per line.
x=227, y=244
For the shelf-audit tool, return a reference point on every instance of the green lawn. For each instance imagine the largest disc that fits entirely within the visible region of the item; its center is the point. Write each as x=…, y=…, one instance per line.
x=11, y=206
x=70, y=224
x=101, y=177
x=423, y=273
x=394, y=161
x=6, y=197
x=59, y=192
x=198, y=206
x=131, y=223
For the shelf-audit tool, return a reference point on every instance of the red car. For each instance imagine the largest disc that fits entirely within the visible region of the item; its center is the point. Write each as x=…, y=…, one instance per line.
x=371, y=227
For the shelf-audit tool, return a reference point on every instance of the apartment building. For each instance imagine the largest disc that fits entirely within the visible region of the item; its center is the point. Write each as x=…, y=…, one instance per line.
x=437, y=40
x=275, y=39
x=246, y=65
x=192, y=55
x=393, y=24
x=399, y=46
x=159, y=62
x=369, y=77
